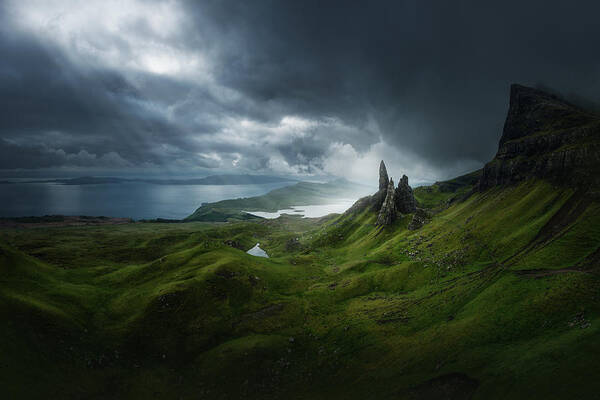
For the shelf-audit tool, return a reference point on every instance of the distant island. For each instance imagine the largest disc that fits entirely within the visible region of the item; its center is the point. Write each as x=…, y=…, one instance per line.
x=244, y=179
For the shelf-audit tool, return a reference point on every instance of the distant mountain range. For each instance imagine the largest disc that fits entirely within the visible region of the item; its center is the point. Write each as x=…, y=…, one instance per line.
x=209, y=180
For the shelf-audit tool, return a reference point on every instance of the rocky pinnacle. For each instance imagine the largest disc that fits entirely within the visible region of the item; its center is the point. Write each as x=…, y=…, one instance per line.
x=383, y=176
x=387, y=214
x=405, y=199
x=389, y=202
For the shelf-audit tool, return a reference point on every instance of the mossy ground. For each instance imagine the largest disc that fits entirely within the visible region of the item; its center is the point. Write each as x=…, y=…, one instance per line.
x=494, y=298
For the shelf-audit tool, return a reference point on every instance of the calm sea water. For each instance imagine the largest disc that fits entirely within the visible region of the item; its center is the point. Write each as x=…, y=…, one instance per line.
x=131, y=200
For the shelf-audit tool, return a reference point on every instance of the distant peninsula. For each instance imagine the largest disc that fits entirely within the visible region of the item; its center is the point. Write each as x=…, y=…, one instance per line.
x=300, y=194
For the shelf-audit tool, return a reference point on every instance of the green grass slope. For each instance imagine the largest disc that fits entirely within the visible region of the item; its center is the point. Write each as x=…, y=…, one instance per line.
x=496, y=297
x=440, y=193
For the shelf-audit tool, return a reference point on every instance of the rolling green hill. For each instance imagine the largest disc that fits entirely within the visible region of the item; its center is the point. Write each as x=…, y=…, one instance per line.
x=497, y=297
x=441, y=193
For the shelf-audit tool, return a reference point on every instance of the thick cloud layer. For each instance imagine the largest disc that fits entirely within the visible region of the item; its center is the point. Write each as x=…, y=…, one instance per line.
x=311, y=87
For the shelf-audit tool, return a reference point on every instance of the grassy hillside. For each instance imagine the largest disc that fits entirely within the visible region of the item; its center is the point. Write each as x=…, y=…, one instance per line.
x=300, y=194
x=440, y=193
x=496, y=297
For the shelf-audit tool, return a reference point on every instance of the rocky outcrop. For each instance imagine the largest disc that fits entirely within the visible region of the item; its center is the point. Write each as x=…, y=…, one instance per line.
x=387, y=214
x=405, y=199
x=420, y=218
x=233, y=243
x=545, y=137
x=389, y=202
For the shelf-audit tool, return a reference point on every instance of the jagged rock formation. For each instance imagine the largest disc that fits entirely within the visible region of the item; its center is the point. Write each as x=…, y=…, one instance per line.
x=389, y=202
x=405, y=200
x=545, y=137
x=378, y=198
x=387, y=214
x=383, y=176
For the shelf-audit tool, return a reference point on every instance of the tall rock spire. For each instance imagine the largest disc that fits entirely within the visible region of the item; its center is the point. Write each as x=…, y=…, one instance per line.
x=387, y=214
x=383, y=176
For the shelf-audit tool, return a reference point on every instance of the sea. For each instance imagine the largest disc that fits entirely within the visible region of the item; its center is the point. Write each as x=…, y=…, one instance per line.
x=136, y=200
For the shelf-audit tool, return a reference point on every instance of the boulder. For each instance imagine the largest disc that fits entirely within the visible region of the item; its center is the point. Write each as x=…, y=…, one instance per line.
x=233, y=243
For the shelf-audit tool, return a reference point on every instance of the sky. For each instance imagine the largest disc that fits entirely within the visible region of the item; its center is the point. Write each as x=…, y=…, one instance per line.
x=302, y=88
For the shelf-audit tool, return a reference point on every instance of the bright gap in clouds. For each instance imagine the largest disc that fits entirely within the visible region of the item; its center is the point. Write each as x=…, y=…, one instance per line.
x=343, y=160
x=138, y=35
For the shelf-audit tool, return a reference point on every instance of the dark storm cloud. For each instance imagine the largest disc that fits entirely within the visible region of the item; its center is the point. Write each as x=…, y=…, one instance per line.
x=429, y=78
x=47, y=102
x=435, y=74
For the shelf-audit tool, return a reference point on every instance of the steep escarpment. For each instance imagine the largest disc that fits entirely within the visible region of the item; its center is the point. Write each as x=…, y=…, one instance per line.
x=545, y=137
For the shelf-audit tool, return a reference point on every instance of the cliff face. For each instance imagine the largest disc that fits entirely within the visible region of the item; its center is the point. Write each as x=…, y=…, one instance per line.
x=544, y=137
